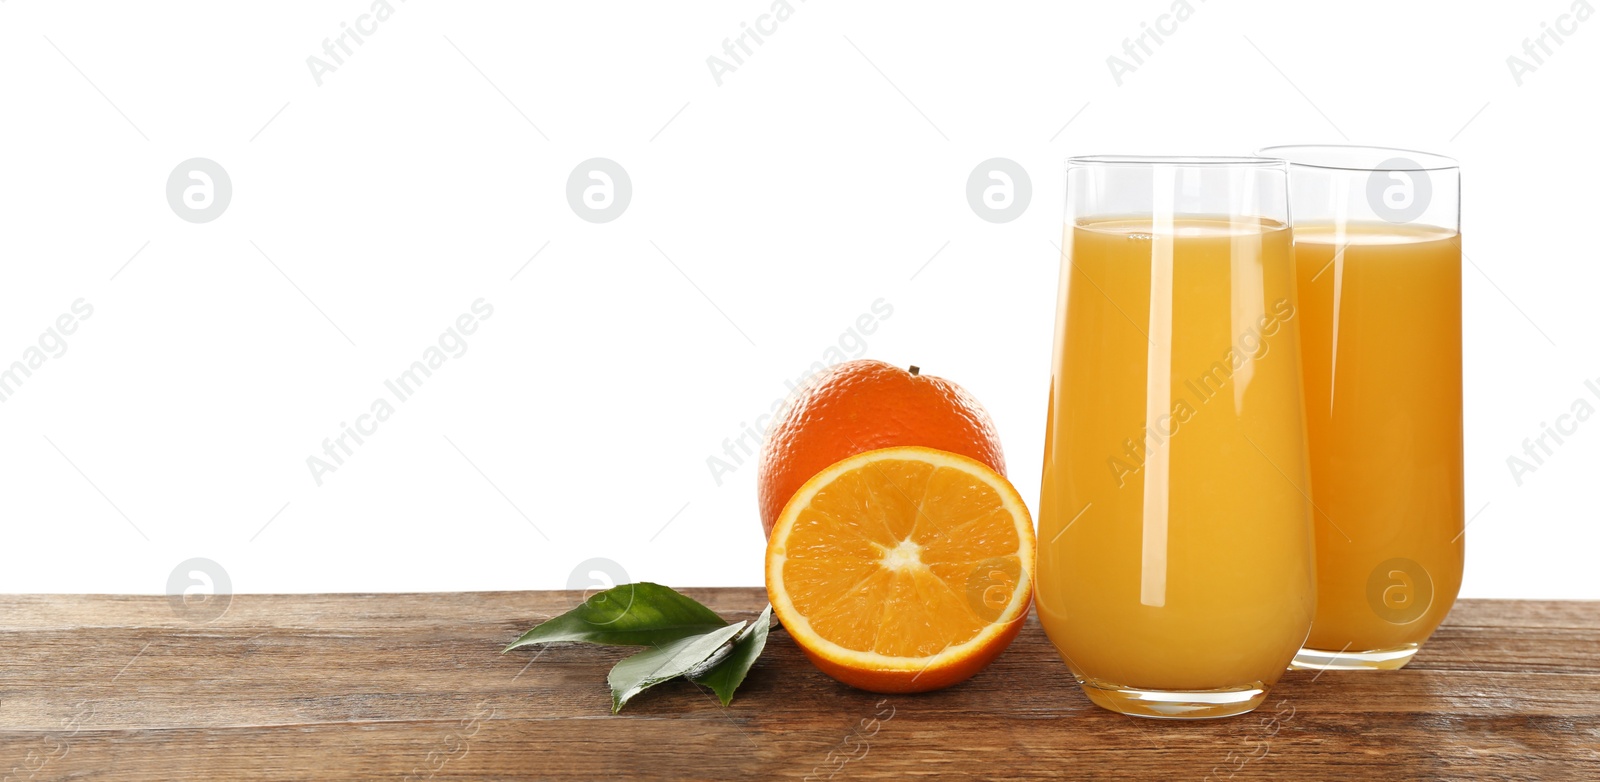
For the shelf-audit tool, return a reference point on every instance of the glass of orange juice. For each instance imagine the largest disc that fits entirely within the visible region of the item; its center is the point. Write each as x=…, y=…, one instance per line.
x=1378, y=272
x=1175, y=570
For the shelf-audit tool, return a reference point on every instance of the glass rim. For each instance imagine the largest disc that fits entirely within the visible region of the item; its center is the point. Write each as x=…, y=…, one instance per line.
x=1420, y=160
x=1177, y=161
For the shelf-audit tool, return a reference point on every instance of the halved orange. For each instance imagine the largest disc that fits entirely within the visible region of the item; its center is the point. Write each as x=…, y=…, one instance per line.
x=902, y=569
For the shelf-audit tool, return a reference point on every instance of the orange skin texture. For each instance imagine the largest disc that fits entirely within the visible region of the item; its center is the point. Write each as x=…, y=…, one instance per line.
x=895, y=682
x=862, y=406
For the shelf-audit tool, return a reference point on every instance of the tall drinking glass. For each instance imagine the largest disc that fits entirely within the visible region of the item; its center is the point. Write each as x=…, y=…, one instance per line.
x=1175, y=571
x=1378, y=266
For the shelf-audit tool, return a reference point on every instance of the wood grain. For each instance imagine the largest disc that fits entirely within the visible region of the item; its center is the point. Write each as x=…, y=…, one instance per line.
x=414, y=686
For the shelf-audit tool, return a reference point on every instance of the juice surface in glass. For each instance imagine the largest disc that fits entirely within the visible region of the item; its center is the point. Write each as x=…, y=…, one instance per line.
x=1174, y=522
x=1380, y=321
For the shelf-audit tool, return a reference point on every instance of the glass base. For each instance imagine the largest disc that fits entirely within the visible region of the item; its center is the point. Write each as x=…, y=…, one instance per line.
x=1176, y=704
x=1370, y=660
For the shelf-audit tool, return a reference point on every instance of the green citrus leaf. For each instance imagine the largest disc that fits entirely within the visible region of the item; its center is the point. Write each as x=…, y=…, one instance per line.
x=642, y=614
x=727, y=675
x=650, y=667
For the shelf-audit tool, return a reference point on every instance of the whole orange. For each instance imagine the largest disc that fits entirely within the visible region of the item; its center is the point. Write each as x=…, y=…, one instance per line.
x=862, y=406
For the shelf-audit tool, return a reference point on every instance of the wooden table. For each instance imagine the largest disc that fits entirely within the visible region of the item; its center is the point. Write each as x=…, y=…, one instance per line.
x=414, y=685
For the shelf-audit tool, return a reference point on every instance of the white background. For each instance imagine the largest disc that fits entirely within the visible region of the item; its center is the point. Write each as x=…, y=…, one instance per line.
x=825, y=173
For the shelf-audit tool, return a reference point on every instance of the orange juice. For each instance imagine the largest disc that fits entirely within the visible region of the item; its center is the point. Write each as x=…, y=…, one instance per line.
x=1380, y=320
x=1174, y=518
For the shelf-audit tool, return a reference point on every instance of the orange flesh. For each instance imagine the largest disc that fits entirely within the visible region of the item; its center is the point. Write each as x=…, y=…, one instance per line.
x=882, y=558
